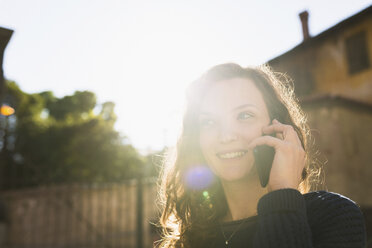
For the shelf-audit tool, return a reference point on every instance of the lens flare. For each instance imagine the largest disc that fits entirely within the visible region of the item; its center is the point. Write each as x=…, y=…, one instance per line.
x=206, y=194
x=198, y=178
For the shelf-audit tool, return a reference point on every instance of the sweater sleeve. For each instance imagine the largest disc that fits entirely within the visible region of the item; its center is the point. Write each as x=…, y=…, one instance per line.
x=283, y=222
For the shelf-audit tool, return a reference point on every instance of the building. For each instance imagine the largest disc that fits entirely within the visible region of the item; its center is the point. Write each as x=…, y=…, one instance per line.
x=337, y=61
x=332, y=75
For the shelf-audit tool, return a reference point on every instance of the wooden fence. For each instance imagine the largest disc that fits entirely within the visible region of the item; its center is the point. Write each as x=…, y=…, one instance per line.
x=80, y=215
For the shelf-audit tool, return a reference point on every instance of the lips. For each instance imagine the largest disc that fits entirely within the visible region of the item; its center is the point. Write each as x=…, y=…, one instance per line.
x=231, y=154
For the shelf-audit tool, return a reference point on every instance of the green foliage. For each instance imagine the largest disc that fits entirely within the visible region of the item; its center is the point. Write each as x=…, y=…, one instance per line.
x=70, y=106
x=62, y=140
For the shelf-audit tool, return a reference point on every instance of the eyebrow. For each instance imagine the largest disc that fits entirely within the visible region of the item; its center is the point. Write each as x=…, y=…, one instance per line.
x=234, y=109
x=245, y=105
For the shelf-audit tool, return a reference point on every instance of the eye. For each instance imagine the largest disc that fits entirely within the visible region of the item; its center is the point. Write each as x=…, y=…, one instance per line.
x=206, y=123
x=244, y=116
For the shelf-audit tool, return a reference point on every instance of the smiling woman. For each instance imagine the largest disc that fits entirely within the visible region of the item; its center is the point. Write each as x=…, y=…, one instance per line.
x=211, y=189
x=235, y=112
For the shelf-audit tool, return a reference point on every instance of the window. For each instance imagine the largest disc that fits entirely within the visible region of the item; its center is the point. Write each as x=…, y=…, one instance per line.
x=357, y=52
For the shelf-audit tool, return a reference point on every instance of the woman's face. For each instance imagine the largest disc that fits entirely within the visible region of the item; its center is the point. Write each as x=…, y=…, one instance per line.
x=232, y=114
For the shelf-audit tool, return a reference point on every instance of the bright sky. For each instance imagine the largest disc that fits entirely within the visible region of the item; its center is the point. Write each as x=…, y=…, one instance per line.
x=142, y=54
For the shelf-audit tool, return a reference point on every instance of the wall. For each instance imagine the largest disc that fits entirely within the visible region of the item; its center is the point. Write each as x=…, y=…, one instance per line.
x=320, y=65
x=343, y=136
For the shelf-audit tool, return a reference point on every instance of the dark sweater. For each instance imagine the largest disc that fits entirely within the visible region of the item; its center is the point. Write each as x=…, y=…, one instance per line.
x=286, y=218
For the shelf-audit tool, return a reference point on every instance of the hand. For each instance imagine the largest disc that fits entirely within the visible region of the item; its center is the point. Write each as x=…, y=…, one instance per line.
x=289, y=159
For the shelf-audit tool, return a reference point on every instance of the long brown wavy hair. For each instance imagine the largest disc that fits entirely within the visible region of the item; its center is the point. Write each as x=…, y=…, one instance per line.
x=189, y=216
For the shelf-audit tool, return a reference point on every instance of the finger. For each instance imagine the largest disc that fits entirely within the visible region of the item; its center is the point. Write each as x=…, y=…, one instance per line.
x=265, y=140
x=291, y=130
x=287, y=131
x=275, y=121
x=275, y=128
x=278, y=134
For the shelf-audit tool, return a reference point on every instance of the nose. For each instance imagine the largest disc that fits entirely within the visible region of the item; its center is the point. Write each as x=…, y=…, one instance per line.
x=227, y=134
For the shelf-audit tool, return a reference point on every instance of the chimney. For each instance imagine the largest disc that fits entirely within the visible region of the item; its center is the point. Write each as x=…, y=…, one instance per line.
x=304, y=16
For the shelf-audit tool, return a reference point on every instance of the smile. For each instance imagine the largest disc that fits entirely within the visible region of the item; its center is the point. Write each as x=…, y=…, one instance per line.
x=230, y=155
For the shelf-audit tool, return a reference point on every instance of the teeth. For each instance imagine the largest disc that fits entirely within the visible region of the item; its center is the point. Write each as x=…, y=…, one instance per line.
x=231, y=154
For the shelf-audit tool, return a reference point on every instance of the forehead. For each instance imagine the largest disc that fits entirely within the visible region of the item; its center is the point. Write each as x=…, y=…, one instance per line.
x=225, y=95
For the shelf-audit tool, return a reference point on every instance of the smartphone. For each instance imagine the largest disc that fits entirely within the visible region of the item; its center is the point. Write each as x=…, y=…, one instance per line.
x=264, y=156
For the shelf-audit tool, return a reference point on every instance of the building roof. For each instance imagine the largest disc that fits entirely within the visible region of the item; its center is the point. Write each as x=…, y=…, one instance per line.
x=358, y=17
x=334, y=100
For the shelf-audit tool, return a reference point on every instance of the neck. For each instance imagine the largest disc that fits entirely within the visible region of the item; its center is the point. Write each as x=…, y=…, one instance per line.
x=242, y=197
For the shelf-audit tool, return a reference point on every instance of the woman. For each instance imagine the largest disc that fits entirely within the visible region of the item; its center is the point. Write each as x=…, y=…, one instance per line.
x=211, y=190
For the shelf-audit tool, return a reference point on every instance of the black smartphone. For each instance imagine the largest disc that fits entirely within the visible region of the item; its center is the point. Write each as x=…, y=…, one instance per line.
x=264, y=156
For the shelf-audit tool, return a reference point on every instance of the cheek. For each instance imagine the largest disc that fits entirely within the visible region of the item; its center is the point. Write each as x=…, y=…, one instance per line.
x=206, y=142
x=250, y=132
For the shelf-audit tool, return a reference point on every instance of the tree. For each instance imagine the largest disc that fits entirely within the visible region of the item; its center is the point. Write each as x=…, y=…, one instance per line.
x=63, y=140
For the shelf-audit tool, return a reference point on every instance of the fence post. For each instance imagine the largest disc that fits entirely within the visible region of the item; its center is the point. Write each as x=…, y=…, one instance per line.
x=139, y=210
